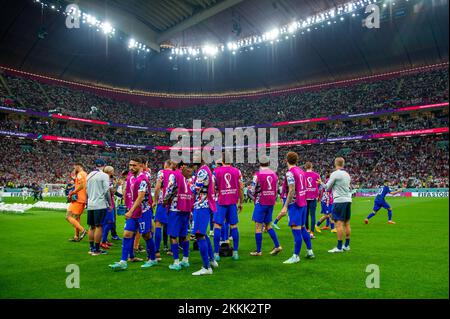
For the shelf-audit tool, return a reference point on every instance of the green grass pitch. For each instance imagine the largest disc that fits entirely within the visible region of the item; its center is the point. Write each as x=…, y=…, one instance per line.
x=413, y=257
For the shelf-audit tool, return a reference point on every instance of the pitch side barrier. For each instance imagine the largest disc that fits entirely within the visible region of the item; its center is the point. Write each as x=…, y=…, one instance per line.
x=408, y=192
x=267, y=125
x=61, y=139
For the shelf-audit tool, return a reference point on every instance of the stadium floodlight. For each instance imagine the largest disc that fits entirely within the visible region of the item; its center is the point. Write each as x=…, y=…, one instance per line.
x=210, y=50
x=273, y=34
x=293, y=27
x=132, y=43
x=107, y=28
x=232, y=46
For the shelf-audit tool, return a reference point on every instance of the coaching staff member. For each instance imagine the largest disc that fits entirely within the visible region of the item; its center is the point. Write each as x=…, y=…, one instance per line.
x=339, y=183
x=99, y=200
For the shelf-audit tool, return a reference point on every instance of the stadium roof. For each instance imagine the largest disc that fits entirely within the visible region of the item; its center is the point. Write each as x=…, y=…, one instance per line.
x=412, y=35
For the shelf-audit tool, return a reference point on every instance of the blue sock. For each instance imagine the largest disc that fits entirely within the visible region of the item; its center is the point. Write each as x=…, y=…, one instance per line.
x=158, y=237
x=390, y=214
x=185, y=246
x=298, y=241
x=306, y=238
x=151, y=249
x=313, y=220
x=371, y=215
x=105, y=232
x=210, y=250
x=165, y=236
x=319, y=223
x=274, y=237
x=203, y=247
x=332, y=226
x=131, y=250
x=347, y=242
x=276, y=221
x=223, y=233
x=217, y=234
x=91, y=245
x=174, y=248
x=235, y=235
x=211, y=222
x=339, y=245
x=328, y=222
x=258, y=237
x=127, y=244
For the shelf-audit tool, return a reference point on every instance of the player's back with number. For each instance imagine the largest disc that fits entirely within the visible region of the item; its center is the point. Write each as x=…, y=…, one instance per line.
x=382, y=193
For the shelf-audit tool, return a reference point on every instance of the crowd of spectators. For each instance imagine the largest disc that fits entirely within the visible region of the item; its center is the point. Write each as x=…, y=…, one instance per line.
x=26, y=162
x=415, y=162
x=384, y=124
x=425, y=87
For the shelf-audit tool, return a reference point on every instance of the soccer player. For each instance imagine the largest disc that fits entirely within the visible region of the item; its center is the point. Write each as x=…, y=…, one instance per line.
x=312, y=194
x=37, y=192
x=161, y=216
x=119, y=200
x=77, y=198
x=283, y=196
x=180, y=199
x=70, y=186
x=138, y=217
x=204, y=205
x=110, y=213
x=339, y=183
x=380, y=202
x=296, y=206
x=230, y=192
x=137, y=239
x=99, y=200
x=263, y=191
x=25, y=193
x=327, y=205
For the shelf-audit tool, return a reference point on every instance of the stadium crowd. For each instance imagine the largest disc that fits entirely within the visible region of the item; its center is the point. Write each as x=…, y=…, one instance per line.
x=416, y=162
x=426, y=87
x=384, y=124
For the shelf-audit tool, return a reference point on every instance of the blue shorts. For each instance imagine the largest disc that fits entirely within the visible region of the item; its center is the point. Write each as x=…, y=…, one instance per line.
x=262, y=214
x=226, y=213
x=378, y=205
x=342, y=211
x=178, y=224
x=162, y=214
x=109, y=217
x=325, y=209
x=143, y=224
x=201, y=218
x=297, y=215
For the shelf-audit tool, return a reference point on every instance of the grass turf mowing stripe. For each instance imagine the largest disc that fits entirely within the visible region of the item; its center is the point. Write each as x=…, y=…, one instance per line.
x=413, y=257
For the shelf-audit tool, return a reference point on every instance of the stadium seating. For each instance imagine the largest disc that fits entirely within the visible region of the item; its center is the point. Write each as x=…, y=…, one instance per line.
x=403, y=160
x=425, y=87
x=419, y=162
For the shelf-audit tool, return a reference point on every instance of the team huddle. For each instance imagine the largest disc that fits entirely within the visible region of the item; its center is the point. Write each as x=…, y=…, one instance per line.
x=189, y=198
